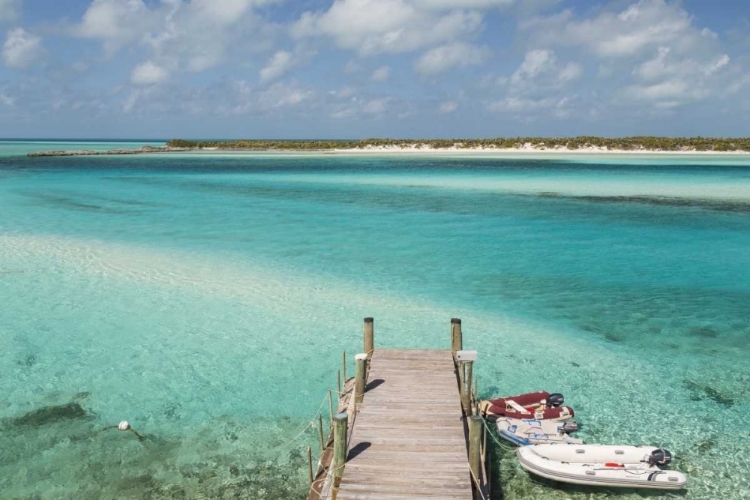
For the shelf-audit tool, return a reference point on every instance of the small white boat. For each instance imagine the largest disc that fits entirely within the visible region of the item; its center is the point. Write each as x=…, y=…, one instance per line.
x=602, y=465
x=525, y=432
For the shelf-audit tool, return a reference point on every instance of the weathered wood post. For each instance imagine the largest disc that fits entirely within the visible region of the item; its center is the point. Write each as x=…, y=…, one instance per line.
x=338, y=377
x=369, y=336
x=360, y=380
x=343, y=365
x=465, y=360
x=309, y=465
x=475, y=450
x=468, y=369
x=456, y=336
x=330, y=410
x=320, y=433
x=340, y=424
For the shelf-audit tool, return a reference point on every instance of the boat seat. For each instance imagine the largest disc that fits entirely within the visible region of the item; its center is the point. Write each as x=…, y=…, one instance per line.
x=517, y=407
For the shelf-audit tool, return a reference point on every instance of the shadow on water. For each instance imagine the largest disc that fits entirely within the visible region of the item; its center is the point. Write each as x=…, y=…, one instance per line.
x=49, y=415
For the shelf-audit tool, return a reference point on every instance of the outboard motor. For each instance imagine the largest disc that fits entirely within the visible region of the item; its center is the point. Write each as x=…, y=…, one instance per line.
x=660, y=458
x=568, y=427
x=555, y=400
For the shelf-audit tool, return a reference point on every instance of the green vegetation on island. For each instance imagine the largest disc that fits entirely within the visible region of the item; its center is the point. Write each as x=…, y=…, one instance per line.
x=571, y=143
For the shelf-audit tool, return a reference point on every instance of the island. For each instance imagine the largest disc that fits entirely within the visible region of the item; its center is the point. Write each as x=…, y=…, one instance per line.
x=582, y=144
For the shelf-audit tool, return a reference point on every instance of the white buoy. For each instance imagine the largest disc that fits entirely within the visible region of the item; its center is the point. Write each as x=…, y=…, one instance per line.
x=124, y=425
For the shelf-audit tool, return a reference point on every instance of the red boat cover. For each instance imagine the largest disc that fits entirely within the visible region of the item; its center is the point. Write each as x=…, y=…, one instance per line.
x=532, y=402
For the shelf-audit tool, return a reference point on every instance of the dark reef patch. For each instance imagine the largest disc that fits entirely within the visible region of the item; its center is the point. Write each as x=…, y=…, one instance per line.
x=665, y=201
x=702, y=391
x=50, y=415
x=705, y=331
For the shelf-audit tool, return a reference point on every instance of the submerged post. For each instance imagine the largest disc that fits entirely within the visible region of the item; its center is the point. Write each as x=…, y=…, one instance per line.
x=369, y=336
x=456, y=336
x=475, y=450
x=360, y=380
x=309, y=465
x=340, y=424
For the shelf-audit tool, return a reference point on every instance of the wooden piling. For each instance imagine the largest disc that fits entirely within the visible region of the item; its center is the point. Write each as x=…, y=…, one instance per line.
x=369, y=333
x=310, y=465
x=330, y=410
x=343, y=365
x=320, y=432
x=466, y=368
x=475, y=450
x=360, y=381
x=340, y=425
x=338, y=376
x=456, y=336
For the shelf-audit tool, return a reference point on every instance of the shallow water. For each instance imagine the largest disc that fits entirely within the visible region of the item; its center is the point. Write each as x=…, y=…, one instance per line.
x=206, y=299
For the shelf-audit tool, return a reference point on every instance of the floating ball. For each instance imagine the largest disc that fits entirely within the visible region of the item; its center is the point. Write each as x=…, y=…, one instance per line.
x=124, y=425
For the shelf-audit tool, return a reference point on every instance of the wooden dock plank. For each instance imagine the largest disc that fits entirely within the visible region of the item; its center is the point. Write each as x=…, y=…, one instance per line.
x=408, y=440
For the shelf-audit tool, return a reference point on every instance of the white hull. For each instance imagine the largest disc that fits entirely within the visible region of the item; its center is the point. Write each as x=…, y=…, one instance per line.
x=528, y=431
x=593, y=465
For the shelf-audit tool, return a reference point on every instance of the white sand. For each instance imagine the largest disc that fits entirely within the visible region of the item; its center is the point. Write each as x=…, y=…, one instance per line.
x=527, y=148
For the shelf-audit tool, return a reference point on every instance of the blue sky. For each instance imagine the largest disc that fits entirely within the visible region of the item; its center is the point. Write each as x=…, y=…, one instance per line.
x=366, y=68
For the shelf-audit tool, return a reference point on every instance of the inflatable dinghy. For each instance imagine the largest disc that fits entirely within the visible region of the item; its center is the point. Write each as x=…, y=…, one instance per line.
x=525, y=432
x=602, y=465
x=533, y=405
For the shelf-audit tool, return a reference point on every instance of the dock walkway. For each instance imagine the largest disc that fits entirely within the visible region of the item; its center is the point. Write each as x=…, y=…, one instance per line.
x=409, y=440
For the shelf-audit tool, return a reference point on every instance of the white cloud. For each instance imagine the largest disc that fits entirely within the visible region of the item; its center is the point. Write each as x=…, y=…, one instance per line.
x=653, y=43
x=116, y=22
x=376, y=106
x=517, y=104
x=21, y=48
x=639, y=27
x=388, y=26
x=279, y=64
x=538, y=86
x=10, y=10
x=381, y=74
x=448, y=107
x=541, y=71
x=459, y=4
x=194, y=35
x=7, y=100
x=148, y=73
x=448, y=56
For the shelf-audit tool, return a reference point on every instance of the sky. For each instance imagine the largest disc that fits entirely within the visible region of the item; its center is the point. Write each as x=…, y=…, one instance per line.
x=317, y=69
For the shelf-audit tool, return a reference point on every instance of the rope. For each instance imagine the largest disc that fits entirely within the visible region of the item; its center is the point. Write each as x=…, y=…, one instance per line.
x=307, y=427
x=479, y=485
x=497, y=441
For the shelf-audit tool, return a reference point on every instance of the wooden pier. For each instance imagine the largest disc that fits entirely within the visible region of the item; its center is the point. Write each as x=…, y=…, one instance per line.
x=407, y=428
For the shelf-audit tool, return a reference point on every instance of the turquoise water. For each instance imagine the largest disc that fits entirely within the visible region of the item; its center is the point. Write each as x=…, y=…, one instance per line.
x=207, y=298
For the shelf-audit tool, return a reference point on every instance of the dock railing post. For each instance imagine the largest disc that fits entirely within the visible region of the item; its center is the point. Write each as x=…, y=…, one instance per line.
x=456, y=336
x=475, y=451
x=360, y=380
x=340, y=424
x=320, y=433
x=369, y=336
x=466, y=369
